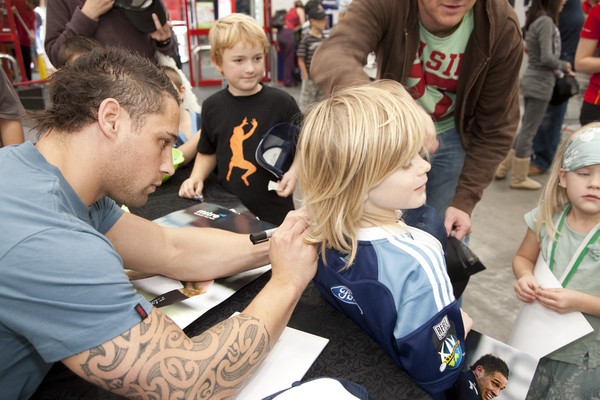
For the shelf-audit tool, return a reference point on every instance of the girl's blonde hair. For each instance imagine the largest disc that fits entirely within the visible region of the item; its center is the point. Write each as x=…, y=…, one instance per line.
x=233, y=29
x=554, y=197
x=348, y=144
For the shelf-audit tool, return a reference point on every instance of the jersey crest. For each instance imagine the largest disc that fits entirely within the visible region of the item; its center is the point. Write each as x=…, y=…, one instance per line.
x=450, y=348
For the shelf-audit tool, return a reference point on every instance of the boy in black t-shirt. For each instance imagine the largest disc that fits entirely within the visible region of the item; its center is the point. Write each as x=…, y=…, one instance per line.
x=235, y=119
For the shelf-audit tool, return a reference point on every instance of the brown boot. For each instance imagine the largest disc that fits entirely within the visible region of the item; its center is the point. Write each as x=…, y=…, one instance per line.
x=534, y=170
x=505, y=165
x=519, y=178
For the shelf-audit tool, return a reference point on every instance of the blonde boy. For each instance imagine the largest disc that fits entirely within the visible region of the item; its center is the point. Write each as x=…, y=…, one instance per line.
x=235, y=119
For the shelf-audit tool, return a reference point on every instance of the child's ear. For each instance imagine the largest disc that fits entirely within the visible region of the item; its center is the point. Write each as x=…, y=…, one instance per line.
x=216, y=64
x=562, y=178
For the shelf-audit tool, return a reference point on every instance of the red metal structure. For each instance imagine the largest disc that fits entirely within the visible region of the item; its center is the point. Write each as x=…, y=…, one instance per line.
x=10, y=49
x=197, y=42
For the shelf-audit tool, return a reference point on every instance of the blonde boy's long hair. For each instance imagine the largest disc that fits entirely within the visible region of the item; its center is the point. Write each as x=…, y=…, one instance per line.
x=554, y=197
x=348, y=144
x=233, y=29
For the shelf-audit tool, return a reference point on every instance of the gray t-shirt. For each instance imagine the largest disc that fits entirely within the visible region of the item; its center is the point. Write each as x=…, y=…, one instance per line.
x=10, y=105
x=62, y=285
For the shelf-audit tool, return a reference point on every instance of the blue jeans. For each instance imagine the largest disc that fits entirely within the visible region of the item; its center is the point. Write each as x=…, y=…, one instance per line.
x=547, y=137
x=446, y=166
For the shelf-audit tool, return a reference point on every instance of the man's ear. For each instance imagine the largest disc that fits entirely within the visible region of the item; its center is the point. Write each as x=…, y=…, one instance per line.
x=109, y=117
x=478, y=371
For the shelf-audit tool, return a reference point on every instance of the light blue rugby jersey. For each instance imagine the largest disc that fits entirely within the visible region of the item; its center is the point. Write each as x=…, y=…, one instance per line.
x=399, y=292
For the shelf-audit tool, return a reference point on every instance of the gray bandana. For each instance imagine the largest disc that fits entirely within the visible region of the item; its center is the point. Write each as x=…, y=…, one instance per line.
x=583, y=151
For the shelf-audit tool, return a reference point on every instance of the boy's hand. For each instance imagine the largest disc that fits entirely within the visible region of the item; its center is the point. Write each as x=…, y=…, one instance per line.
x=467, y=322
x=191, y=189
x=287, y=184
x=525, y=288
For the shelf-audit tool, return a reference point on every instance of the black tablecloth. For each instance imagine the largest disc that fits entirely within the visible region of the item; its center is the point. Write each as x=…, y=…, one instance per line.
x=350, y=353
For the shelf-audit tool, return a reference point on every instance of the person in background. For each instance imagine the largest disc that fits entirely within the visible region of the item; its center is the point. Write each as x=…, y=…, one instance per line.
x=25, y=21
x=37, y=45
x=189, y=121
x=235, y=119
x=360, y=160
x=108, y=134
x=460, y=62
x=544, y=66
x=310, y=92
x=286, y=39
x=484, y=380
x=107, y=21
x=75, y=46
x=548, y=136
x=588, y=61
x=11, y=110
x=563, y=236
x=310, y=5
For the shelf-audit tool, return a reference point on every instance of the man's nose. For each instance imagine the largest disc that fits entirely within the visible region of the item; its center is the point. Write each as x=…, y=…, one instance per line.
x=166, y=166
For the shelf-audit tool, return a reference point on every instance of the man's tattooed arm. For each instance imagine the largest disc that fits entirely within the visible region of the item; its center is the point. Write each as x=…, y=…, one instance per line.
x=155, y=359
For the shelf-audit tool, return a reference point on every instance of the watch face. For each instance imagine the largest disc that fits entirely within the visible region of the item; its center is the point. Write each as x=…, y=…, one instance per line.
x=134, y=5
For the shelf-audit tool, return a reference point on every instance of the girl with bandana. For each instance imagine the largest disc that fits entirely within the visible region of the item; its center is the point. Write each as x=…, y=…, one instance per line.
x=565, y=230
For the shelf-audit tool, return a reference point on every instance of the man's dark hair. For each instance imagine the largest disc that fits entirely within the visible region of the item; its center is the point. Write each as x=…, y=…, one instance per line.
x=490, y=363
x=78, y=89
x=312, y=4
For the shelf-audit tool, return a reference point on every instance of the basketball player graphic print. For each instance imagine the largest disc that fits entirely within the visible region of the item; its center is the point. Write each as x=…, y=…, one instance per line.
x=236, y=143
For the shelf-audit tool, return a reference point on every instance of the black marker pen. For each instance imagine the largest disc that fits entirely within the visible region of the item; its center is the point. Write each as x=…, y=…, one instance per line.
x=263, y=236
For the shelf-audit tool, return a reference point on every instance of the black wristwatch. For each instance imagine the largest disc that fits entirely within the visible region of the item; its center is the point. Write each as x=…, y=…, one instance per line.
x=163, y=43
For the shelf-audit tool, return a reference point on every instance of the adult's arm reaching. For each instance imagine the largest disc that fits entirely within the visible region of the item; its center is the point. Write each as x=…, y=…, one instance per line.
x=186, y=254
x=156, y=357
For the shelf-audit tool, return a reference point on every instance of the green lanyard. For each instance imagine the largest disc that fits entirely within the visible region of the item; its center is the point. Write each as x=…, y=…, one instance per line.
x=582, y=249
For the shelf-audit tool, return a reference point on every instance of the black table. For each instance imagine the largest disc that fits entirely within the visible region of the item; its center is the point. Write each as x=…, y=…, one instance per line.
x=350, y=353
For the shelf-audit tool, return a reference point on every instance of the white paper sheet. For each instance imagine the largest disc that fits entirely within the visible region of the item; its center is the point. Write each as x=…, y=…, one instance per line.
x=321, y=388
x=538, y=331
x=289, y=360
x=187, y=311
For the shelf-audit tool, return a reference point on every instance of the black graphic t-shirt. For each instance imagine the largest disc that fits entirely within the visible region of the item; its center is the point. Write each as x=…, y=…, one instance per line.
x=232, y=127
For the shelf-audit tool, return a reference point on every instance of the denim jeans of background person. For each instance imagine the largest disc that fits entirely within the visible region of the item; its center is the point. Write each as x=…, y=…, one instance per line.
x=547, y=138
x=446, y=164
